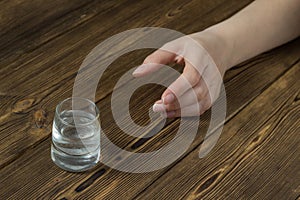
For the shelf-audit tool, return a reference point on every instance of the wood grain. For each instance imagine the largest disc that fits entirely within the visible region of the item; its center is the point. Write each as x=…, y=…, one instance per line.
x=42, y=155
x=40, y=52
x=49, y=81
x=257, y=155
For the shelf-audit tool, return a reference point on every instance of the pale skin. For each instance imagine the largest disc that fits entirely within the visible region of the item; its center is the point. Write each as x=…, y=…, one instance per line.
x=259, y=27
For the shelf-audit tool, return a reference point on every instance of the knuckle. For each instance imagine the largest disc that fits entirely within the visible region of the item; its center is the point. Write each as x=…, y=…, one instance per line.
x=201, y=94
x=194, y=79
x=170, y=107
x=191, y=75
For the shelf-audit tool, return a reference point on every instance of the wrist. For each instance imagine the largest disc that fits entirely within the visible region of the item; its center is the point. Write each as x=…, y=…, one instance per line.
x=217, y=46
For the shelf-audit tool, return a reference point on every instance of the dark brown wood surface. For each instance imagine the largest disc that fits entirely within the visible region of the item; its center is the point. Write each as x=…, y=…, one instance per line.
x=42, y=45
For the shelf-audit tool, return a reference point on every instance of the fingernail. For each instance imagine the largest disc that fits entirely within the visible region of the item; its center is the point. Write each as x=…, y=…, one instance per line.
x=168, y=99
x=171, y=114
x=158, y=107
x=140, y=69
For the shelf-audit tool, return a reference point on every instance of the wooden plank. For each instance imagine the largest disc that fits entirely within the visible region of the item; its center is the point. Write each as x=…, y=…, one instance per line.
x=75, y=42
x=53, y=81
x=126, y=181
x=59, y=49
x=80, y=40
x=257, y=155
x=17, y=17
x=54, y=179
x=65, y=184
x=53, y=18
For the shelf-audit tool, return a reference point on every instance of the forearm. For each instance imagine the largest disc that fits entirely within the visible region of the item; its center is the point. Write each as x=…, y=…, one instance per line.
x=261, y=26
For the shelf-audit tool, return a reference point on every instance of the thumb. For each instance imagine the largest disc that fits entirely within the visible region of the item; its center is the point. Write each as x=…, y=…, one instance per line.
x=156, y=59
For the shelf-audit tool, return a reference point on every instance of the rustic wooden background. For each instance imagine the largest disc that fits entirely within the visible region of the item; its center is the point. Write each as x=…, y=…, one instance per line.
x=42, y=45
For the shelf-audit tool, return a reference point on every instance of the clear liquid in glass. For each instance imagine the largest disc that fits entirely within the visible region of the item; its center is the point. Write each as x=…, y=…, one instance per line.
x=75, y=148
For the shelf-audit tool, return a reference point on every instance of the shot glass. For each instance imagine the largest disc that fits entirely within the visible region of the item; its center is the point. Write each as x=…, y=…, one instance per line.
x=75, y=143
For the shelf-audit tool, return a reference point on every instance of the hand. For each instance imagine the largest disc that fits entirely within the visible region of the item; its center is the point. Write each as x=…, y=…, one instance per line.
x=200, y=71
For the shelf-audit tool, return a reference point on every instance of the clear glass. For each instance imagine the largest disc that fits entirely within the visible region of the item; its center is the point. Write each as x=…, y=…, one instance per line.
x=76, y=135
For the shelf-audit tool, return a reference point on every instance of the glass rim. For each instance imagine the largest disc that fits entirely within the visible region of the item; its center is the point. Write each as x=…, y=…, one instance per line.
x=96, y=117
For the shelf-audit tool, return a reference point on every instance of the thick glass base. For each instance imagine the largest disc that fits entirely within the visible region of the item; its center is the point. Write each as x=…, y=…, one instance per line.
x=74, y=163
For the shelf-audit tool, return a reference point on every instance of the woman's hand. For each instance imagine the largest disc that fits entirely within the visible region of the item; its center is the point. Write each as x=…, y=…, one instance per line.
x=202, y=76
x=206, y=55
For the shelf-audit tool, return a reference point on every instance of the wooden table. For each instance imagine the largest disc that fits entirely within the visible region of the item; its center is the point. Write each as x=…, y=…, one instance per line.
x=42, y=45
